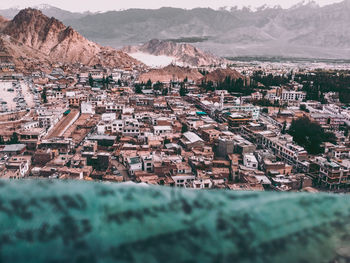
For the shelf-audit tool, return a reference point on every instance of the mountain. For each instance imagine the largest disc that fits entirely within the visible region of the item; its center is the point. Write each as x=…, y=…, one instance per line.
x=170, y=73
x=22, y=56
x=182, y=53
x=219, y=75
x=137, y=26
x=304, y=30
x=53, y=39
x=3, y=23
x=47, y=10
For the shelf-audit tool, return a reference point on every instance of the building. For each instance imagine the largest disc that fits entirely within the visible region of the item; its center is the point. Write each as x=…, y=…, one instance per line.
x=293, y=95
x=250, y=161
x=333, y=175
x=191, y=140
x=13, y=149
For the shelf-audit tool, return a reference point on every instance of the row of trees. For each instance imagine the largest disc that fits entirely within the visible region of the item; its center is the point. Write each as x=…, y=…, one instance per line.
x=105, y=81
x=319, y=82
x=232, y=85
x=271, y=80
x=158, y=86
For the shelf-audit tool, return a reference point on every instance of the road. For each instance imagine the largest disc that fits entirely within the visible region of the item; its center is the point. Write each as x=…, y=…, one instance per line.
x=122, y=169
x=60, y=127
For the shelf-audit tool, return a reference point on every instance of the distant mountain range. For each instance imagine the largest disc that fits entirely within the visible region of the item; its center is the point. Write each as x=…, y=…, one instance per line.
x=32, y=40
x=305, y=30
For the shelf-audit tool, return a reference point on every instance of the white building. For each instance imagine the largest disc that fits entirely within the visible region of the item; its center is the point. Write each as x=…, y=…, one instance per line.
x=293, y=95
x=248, y=108
x=183, y=180
x=160, y=130
x=250, y=161
x=202, y=184
x=87, y=108
x=134, y=164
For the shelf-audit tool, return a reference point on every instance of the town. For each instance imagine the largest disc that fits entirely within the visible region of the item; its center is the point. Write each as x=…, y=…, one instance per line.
x=238, y=127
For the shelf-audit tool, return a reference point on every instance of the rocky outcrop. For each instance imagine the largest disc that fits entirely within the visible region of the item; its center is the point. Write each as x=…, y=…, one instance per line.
x=219, y=75
x=186, y=54
x=3, y=23
x=24, y=57
x=60, y=43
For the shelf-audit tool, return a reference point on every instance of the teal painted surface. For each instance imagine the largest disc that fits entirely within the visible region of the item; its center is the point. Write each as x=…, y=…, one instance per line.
x=63, y=221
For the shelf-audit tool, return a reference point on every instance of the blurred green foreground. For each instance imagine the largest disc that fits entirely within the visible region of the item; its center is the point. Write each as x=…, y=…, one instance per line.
x=71, y=221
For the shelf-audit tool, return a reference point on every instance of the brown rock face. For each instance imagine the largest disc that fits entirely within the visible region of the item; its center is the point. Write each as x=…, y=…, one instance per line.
x=3, y=23
x=219, y=75
x=60, y=43
x=184, y=53
x=24, y=57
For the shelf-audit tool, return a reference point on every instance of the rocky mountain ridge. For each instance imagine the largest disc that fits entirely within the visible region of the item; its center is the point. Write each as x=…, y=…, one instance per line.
x=52, y=39
x=171, y=73
x=305, y=30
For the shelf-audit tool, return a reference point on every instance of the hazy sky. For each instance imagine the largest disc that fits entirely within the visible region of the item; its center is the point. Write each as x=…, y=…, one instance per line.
x=103, y=5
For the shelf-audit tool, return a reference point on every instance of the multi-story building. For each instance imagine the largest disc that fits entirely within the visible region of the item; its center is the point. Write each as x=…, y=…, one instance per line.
x=293, y=95
x=333, y=175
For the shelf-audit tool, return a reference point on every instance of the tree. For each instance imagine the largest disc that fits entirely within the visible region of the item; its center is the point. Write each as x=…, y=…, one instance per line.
x=265, y=110
x=149, y=83
x=284, y=128
x=138, y=89
x=184, y=128
x=2, y=141
x=303, y=108
x=13, y=139
x=104, y=82
x=165, y=92
x=158, y=85
x=203, y=72
x=310, y=135
x=91, y=81
x=44, y=95
x=183, y=90
x=166, y=141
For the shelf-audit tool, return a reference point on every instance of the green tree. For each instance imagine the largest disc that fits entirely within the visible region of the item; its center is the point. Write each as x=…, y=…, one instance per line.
x=138, y=89
x=303, y=108
x=104, y=82
x=165, y=92
x=91, y=81
x=158, y=85
x=149, y=83
x=183, y=90
x=284, y=128
x=265, y=110
x=44, y=95
x=310, y=135
x=13, y=139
